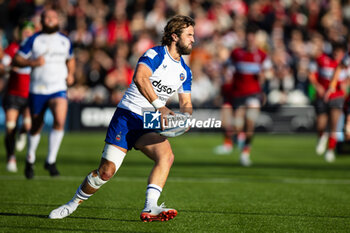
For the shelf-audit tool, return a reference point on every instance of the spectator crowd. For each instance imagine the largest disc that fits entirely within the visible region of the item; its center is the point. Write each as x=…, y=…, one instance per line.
x=110, y=35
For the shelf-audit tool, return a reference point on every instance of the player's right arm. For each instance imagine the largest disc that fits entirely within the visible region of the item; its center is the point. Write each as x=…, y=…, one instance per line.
x=143, y=83
x=71, y=69
x=20, y=61
x=318, y=87
x=23, y=56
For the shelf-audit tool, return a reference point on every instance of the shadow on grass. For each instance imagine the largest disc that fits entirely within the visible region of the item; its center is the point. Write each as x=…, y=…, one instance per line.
x=23, y=215
x=71, y=217
x=74, y=217
x=57, y=205
x=58, y=229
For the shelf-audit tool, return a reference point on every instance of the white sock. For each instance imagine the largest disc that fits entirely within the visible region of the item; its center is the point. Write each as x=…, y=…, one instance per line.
x=80, y=196
x=55, y=139
x=152, y=195
x=33, y=142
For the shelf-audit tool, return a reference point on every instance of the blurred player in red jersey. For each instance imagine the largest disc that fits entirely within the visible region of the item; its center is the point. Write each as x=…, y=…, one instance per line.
x=16, y=98
x=331, y=74
x=250, y=66
x=226, y=113
x=330, y=100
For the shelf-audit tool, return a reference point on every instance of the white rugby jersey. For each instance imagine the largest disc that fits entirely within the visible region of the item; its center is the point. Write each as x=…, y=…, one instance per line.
x=168, y=76
x=56, y=49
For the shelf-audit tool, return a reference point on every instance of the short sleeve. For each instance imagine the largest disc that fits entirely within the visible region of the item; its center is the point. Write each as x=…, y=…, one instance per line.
x=70, y=52
x=152, y=59
x=187, y=85
x=25, y=50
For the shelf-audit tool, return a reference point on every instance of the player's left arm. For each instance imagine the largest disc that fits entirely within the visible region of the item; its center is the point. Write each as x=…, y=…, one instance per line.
x=71, y=70
x=185, y=103
x=70, y=62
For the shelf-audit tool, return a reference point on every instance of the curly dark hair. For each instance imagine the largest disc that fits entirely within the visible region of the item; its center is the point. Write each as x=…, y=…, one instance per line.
x=175, y=25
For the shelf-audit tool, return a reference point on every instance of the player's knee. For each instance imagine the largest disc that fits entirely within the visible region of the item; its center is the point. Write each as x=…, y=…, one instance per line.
x=10, y=125
x=114, y=155
x=27, y=121
x=167, y=159
x=238, y=122
x=95, y=180
x=106, y=175
x=171, y=159
x=253, y=114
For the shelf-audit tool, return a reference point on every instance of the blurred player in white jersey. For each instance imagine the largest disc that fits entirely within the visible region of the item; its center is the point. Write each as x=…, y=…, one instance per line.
x=160, y=72
x=50, y=54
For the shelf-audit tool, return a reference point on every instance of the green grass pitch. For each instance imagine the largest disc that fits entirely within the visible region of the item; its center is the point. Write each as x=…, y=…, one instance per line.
x=288, y=189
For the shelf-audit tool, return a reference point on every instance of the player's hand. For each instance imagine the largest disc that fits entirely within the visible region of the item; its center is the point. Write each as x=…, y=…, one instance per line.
x=327, y=94
x=37, y=62
x=70, y=79
x=188, y=117
x=164, y=113
x=320, y=90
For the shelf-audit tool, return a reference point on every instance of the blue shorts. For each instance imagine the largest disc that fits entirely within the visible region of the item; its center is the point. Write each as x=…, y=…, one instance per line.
x=125, y=128
x=38, y=103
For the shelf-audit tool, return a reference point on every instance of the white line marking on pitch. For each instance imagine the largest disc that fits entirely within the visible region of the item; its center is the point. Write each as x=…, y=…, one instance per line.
x=193, y=180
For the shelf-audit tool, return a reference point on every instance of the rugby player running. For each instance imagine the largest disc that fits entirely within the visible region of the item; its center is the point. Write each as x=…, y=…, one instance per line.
x=160, y=72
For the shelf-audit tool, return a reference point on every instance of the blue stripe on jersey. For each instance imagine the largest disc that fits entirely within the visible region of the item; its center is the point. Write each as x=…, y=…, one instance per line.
x=153, y=57
x=186, y=86
x=70, y=43
x=248, y=67
x=27, y=45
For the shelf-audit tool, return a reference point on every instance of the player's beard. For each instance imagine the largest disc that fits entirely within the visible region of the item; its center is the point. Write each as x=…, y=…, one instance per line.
x=183, y=49
x=49, y=30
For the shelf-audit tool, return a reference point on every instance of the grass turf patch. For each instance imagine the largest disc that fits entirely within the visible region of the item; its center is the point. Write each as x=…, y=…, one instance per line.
x=288, y=189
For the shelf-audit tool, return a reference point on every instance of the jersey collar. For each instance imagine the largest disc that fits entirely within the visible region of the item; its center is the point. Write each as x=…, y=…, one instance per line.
x=166, y=49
